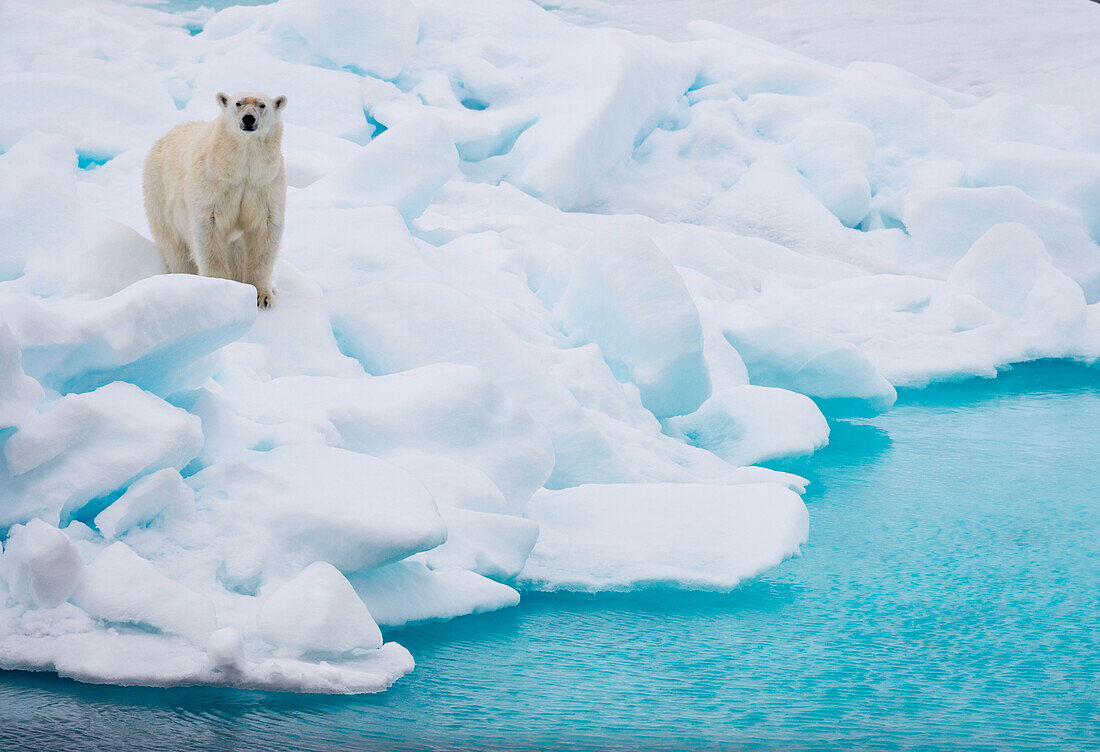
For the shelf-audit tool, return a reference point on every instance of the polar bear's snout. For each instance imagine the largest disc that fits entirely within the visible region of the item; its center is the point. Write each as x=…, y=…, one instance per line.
x=250, y=112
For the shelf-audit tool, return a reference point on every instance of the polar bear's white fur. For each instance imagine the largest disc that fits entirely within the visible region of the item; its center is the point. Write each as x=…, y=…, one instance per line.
x=215, y=193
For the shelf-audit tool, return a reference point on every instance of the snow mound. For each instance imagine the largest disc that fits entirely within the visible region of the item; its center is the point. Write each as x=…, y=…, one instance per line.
x=19, y=394
x=1009, y=270
x=375, y=37
x=442, y=410
x=146, y=334
x=317, y=612
x=102, y=657
x=141, y=503
x=39, y=208
x=833, y=373
x=404, y=168
x=88, y=445
x=97, y=117
x=411, y=592
x=313, y=503
x=746, y=425
x=627, y=297
x=40, y=566
x=492, y=545
x=120, y=586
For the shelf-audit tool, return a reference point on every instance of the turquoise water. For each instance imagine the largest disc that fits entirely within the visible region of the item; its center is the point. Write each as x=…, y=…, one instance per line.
x=947, y=599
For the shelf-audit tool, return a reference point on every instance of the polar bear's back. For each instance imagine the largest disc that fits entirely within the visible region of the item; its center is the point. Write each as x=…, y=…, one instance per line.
x=171, y=150
x=165, y=179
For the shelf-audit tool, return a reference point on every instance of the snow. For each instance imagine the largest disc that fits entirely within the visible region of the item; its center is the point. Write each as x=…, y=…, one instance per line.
x=945, y=222
x=983, y=48
x=144, y=501
x=96, y=117
x=776, y=354
x=402, y=168
x=409, y=591
x=225, y=648
x=492, y=545
x=1006, y=266
x=87, y=445
x=312, y=503
x=120, y=586
x=376, y=37
x=627, y=297
x=625, y=536
x=149, y=333
x=19, y=394
x=748, y=424
x=552, y=284
x=317, y=612
x=39, y=565
x=443, y=410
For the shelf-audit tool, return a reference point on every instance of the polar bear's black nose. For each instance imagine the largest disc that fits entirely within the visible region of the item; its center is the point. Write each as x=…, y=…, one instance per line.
x=249, y=122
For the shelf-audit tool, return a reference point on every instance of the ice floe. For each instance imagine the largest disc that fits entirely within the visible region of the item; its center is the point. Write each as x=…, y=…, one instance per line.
x=549, y=292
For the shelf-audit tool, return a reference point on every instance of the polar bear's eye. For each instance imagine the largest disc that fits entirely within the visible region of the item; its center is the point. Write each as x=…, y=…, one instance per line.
x=262, y=105
x=238, y=104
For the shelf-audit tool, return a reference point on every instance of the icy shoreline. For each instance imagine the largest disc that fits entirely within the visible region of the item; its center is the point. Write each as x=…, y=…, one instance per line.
x=543, y=303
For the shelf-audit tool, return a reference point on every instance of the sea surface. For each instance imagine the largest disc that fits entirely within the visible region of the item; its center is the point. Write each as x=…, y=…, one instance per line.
x=948, y=599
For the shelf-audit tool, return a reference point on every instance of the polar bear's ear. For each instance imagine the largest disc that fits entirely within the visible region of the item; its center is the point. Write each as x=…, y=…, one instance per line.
x=223, y=99
x=280, y=101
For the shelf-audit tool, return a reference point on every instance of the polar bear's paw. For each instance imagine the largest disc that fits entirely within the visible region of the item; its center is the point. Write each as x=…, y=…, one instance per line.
x=265, y=297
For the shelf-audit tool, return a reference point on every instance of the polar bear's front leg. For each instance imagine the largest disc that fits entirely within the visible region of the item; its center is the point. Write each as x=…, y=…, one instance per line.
x=263, y=248
x=211, y=249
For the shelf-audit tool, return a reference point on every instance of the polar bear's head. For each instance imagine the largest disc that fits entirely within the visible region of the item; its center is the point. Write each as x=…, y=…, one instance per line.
x=247, y=114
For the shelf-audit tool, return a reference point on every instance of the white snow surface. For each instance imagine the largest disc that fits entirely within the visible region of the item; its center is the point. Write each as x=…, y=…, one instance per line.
x=317, y=611
x=620, y=536
x=551, y=284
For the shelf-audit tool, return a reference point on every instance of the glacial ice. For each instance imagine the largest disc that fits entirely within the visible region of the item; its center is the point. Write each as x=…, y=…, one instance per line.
x=547, y=294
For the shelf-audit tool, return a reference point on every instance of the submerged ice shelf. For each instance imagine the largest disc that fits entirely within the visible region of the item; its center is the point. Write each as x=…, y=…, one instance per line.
x=543, y=304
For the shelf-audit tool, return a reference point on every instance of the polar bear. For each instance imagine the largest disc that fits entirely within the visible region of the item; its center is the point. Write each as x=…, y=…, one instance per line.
x=215, y=193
